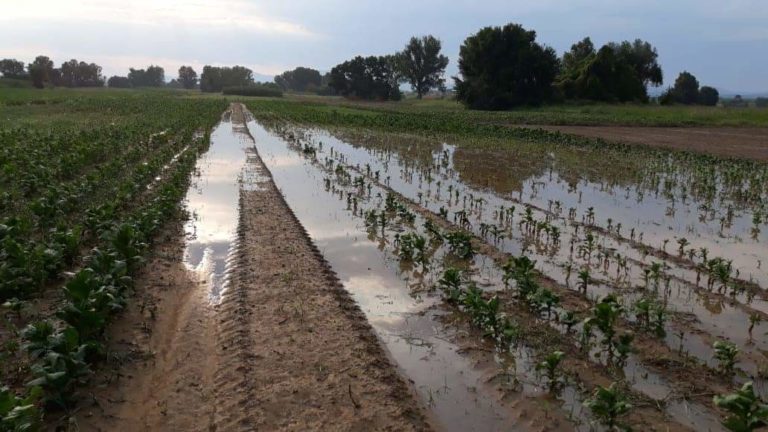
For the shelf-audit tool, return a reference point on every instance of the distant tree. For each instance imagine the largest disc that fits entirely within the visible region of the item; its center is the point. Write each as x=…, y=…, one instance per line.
x=504, y=67
x=618, y=72
x=79, y=74
x=153, y=76
x=581, y=52
x=12, y=68
x=607, y=77
x=366, y=78
x=119, y=82
x=175, y=84
x=642, y=56
x=187, y=77
x=708, y=96
x=40, y=71
x=301, y=79
x=686, y=89
x=422, y=65
x=761, y=102
x=214, y=79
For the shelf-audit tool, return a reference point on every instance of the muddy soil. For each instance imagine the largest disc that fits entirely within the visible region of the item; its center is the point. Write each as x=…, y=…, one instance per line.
x=747, y=143
x=285, y=349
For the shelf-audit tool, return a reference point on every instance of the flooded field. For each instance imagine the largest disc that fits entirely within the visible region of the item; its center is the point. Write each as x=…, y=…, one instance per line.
x=652, y=279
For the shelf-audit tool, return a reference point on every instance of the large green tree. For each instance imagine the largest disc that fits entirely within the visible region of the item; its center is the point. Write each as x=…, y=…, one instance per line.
x=581, y=52
x=215, y=78
x=367, y=78
x=118, y=82
x=708, y=96
x=79, y=74
x=187, y=77
x=422, y=65
x=153, y=76
x=40, y=71
x=301, y=79
x=643, y=58
x=504, y=67
x=618, y=72
x=686, y=89
x=12, y=68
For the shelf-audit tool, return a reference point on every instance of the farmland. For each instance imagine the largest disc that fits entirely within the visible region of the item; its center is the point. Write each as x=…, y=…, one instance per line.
x=168, y=258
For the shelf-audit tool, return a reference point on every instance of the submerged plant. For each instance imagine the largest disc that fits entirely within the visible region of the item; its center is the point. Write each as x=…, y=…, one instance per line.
x=725, y=353
x=747, y=411
x=550, y=368
x=604, y=316
x=460, y=243
x=608, y=405
x=584, y=280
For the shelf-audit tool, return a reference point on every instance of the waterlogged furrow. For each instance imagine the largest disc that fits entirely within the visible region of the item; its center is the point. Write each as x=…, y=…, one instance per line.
x=440, y=191
x=462, y=390
x=641, y=379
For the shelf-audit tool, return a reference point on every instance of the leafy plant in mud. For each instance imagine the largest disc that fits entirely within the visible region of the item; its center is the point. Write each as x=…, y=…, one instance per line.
x=568, y=319
x=521, y=270
x=543, y=300
x=19, y=414
x=608, y=405
x=60, y=361
x=651, y=315
x=604, y=316
x=747, y=412
x=725, y=353
x=550, y=366
x=435, y=236
x=460, y=243
x=584, y=280
x=413, y=247
x=450, y=283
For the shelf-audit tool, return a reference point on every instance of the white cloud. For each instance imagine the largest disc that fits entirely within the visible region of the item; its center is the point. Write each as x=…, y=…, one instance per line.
x=232, y=14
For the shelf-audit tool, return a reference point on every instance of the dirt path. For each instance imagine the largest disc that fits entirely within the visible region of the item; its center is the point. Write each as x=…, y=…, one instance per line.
x=286, y=349
x=748, y=143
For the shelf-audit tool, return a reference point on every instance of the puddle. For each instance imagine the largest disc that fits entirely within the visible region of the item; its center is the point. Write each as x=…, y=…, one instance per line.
x=443, y=178
x=431, y=180
x=459, y=390
x=212, y=201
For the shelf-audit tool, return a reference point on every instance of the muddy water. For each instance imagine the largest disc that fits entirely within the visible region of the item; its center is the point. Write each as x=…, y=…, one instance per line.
x=460, y=390
x=401, y=176
x=212, y=201
x=437, y=177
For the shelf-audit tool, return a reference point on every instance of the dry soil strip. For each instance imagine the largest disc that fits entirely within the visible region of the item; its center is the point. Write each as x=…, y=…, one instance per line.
x=745, y=143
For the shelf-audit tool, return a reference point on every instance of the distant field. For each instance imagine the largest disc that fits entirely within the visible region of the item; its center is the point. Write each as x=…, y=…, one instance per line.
x=594, y=114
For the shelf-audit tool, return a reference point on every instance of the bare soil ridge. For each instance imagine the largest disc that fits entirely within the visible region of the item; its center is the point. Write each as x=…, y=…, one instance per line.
x=744, y=143
x=286, y=349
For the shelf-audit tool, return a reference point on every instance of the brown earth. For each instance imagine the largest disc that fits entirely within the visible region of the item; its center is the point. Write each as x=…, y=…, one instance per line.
x=286, y=349
x=746, y=143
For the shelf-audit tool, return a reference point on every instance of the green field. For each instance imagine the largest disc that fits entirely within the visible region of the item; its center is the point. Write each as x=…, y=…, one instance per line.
x=90, y=177
x=567, y=114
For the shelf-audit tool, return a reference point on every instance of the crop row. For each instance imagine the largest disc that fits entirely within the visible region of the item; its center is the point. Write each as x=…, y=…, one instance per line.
x=602, y=319
x=82, y=206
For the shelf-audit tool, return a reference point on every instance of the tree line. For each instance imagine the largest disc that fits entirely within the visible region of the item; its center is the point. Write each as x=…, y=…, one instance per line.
x=41, y=71
x=499, y=68
x=505, y=67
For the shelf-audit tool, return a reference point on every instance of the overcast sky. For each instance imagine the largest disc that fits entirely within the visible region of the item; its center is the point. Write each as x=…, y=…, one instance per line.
x=723, y=42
